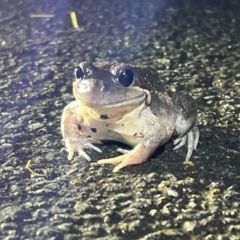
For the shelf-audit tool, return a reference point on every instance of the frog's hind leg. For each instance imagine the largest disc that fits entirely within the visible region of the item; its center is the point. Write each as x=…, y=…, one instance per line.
x=156, y=135
x=186, y=123
x=131, y=157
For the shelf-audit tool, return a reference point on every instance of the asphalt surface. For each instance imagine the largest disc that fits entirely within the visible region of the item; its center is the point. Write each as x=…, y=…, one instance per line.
x=194, y=45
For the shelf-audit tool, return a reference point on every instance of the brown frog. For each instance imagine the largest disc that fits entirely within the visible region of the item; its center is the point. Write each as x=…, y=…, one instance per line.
x=126, y=103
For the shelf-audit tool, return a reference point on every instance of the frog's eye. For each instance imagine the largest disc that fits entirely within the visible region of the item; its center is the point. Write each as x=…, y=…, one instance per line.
x=78, y=73
x=126, y=77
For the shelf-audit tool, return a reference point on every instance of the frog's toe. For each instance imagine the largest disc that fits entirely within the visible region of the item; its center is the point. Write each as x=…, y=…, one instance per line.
x=84, y=154
x=121, y=165
x=196, y=134
x=190, y=146
x=81, y=152
x=192, y=138
x=77, y=145
x=89, y=145
x=121, y=159
x=111, y=160
x=70, y=155
x=179, y=142
x=70, y=144
x=70, y=149
x=123, y=151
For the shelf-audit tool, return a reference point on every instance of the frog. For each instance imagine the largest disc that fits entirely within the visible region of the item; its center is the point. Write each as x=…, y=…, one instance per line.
x=126, y=103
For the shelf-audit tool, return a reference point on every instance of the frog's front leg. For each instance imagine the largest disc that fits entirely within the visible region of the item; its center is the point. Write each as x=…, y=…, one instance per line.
x=75, y=140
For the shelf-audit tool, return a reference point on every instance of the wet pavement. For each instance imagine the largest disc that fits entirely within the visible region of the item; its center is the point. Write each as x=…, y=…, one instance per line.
x=195, y=48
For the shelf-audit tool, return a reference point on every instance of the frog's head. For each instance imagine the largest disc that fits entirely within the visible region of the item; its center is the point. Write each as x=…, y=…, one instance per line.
x=104, y=86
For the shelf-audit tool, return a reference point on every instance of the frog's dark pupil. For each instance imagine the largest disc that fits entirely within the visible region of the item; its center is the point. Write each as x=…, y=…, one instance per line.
x=126, y=77
x=78, y=72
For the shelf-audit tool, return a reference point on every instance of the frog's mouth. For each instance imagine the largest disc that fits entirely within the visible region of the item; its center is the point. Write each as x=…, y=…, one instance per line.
x=121, y=104
x=113, y=98
x=114, y=112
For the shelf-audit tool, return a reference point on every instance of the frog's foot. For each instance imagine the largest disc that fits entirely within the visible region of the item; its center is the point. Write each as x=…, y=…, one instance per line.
x=129, y=158
x=78, y=144
x=192, y=138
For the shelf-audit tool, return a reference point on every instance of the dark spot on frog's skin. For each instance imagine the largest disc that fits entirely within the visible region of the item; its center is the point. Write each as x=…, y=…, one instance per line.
x=123, y=124
x=106, y=125
x=79, y=127
x=104, y=116
x=94, y=130
x=109, y=131
x=138, y=135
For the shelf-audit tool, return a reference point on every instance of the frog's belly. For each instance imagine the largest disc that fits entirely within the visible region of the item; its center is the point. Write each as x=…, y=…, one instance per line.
x=130, y=134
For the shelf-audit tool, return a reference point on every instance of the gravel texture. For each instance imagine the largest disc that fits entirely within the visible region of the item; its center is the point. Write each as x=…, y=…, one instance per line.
x=194, y=45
